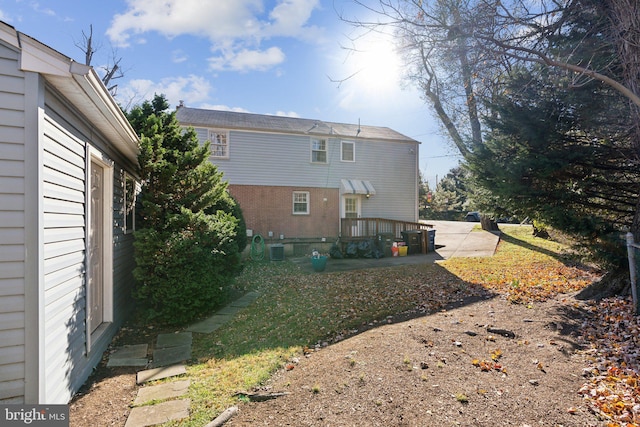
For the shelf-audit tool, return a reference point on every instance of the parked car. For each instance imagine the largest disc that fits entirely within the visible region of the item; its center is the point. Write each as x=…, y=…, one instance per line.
x=472, y=217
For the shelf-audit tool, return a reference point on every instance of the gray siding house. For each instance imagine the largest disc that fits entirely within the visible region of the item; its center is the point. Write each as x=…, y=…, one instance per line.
x=295, y=179
x=67, y=164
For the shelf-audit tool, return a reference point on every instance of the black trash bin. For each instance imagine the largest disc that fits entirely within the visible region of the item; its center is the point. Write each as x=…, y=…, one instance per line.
x=413, y=240
x=385, y=242
x=431, y=242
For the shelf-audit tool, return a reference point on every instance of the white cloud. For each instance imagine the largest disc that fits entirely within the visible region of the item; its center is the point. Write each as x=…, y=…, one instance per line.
x=237, y=26
x=245, y=60
x=289, y=17
x=215, y=20
x=287, y=114
x=191, y=89
x=36, y=7
x=178, y=56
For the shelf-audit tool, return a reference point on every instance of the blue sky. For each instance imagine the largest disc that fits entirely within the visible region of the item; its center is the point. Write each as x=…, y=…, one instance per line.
x=267, y=57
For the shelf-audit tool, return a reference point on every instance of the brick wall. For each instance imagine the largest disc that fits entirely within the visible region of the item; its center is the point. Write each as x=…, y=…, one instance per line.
x=267, y=208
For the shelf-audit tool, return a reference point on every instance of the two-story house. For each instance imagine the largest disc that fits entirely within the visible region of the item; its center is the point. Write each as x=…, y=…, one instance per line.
x=295, y=179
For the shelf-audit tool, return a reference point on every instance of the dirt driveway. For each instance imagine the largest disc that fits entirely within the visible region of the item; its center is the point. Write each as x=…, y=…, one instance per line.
x=452, y=368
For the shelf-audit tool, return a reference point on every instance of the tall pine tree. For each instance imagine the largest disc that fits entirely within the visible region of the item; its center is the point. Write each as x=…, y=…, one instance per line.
x=561, y=156
x=187, y=242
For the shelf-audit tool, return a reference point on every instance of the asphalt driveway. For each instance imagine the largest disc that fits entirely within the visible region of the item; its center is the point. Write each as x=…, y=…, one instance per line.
x=452, y=239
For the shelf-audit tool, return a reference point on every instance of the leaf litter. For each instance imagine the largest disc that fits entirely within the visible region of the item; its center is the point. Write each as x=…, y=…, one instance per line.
x=612, y=338
x=607, y=338
x=338, y=306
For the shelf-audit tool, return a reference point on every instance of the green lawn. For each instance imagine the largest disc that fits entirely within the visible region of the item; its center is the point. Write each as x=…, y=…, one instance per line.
x=297, y=310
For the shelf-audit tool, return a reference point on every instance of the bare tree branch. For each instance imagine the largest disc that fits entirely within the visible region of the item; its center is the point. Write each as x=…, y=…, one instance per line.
x=531, y=55
x=112, y=70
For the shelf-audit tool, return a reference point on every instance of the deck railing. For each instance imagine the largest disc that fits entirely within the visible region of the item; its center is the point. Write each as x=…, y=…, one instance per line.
x=358, y=228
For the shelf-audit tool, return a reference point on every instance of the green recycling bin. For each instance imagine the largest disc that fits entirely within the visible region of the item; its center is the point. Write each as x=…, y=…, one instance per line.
x=319, y=263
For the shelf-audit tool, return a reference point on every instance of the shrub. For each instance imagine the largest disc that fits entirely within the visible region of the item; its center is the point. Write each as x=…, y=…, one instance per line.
x=184, y=272
x=191, y=231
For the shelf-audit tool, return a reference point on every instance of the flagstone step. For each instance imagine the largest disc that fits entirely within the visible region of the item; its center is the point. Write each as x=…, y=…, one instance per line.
x=162, y=391
x=129, y=355
x=174, y=340
x=210, y=324
x=223, y=315
x=160, y=373
x=245, y=300
x=171, y=355
x=228, y=310
x=159, y=413
x=170, y=349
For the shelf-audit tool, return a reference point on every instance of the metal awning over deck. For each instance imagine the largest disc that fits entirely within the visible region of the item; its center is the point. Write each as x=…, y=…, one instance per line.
x=357, y=186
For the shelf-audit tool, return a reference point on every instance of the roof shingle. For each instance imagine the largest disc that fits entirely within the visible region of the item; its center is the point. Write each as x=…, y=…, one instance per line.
x=197, y=117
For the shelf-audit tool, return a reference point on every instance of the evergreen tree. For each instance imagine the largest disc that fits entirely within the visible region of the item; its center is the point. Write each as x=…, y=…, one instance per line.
x=186, y=244
x=449, y=200
x=424, y=195
x=556, y=155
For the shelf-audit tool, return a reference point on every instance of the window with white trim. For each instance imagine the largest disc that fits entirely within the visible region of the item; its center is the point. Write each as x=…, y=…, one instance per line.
x=318, y=150
x=300, y=202
x=219, y=143
x=348, y=150
x=131, y=190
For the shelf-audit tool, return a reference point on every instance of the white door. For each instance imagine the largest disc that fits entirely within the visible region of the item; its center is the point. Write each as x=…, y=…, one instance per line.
x=351, y=209
x=96, y=244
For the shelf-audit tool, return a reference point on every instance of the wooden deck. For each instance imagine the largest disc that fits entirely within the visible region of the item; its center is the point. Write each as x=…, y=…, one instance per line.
x=369, y=228
x=387, y=231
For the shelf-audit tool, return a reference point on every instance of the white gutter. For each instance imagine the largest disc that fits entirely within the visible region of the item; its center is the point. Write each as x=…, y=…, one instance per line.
x=111, y=113
x=82, y=86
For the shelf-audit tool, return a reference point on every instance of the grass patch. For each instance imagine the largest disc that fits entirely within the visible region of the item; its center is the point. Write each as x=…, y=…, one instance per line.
x=524, y=268
x=298, y=310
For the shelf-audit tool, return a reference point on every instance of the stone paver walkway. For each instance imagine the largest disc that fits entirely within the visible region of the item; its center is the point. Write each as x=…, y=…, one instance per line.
x=162, y=391
x=129, y=355
x=171, y=349
x=159, y=413
x=224, y=315
x=160, y=373
x=166, y=363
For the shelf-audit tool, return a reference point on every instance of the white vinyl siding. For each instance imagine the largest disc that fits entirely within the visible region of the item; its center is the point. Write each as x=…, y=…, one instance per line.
x=43, y=141
x=283, y=160
x=69, y=355
x=12, y=229
x=64, y=250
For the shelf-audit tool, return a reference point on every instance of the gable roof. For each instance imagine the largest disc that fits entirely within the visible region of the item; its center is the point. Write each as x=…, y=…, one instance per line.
x=197, y=117
x=77, y=82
